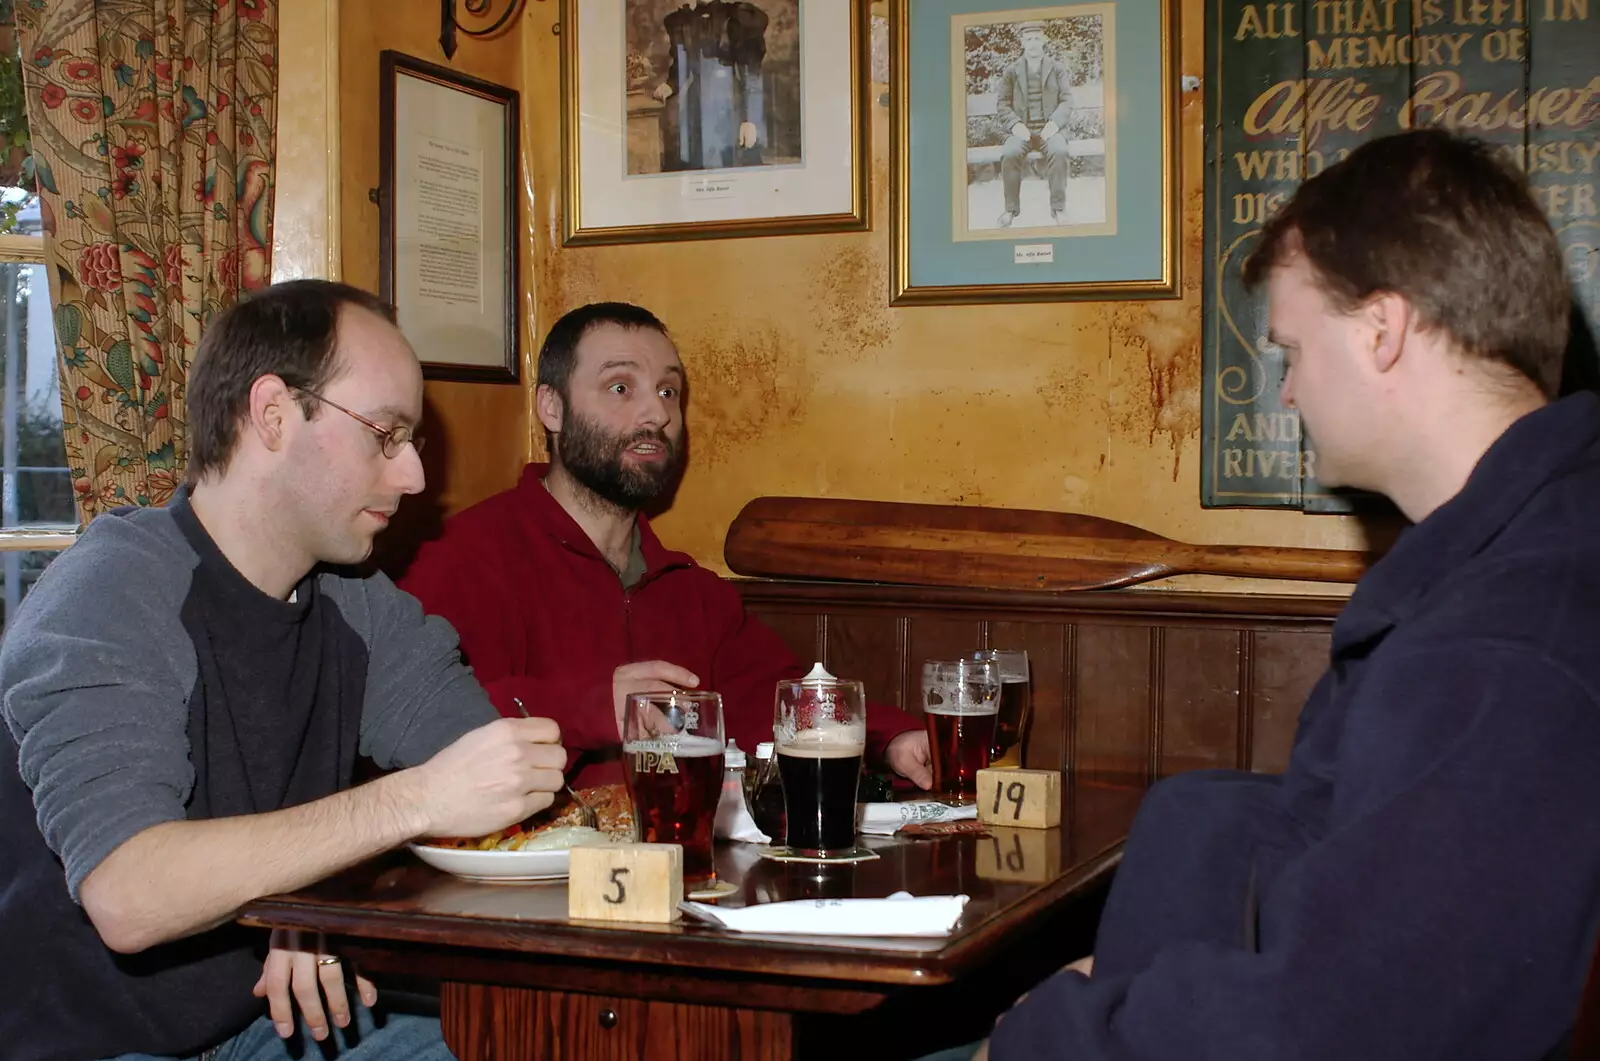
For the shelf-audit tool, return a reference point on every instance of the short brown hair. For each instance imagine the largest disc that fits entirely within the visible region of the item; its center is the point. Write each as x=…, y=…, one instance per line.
x=287, y=330
x=558, y=356
x=1448, y=224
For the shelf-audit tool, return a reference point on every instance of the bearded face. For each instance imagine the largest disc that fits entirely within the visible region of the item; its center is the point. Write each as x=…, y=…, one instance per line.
x=629, y=470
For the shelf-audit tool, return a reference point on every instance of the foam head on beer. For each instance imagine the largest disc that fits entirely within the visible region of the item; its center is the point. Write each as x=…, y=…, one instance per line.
x=960, y=694
x=826, y=740
x=821, y=717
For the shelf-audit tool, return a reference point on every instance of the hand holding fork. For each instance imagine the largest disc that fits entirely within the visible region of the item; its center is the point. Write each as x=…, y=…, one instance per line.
x=590, y=818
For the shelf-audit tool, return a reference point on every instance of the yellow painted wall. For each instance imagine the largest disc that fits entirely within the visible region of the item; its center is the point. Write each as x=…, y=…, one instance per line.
x=477, y=433
x=804, y=381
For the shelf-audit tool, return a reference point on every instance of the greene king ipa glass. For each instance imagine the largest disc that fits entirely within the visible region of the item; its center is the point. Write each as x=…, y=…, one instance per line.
x=960, y=703
x=820, y=735
x=672, y=756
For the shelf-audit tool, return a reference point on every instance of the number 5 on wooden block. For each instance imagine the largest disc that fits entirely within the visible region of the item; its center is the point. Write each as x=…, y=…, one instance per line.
x=625, y=882
x=1025, y=799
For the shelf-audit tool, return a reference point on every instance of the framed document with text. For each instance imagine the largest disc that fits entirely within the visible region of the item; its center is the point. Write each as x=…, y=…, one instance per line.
x=447, y=199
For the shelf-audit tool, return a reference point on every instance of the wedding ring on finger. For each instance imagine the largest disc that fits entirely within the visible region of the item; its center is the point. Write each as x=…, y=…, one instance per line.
x=329, y=960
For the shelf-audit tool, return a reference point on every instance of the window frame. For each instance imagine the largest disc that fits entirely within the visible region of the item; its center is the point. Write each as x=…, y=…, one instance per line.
x=48, y=537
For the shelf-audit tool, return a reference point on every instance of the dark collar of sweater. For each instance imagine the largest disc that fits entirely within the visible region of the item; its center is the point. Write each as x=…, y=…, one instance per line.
x=1530, y=454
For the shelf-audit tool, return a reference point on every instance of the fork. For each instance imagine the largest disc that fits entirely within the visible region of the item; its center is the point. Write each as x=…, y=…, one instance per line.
x=590, y=818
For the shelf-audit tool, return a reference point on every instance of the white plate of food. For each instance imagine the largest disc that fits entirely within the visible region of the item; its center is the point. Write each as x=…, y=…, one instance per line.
x=501, y=866
x=536, y=850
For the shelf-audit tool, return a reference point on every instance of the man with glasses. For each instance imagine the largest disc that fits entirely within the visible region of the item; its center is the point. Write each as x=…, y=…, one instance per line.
x=186, y=691
x=391, y=439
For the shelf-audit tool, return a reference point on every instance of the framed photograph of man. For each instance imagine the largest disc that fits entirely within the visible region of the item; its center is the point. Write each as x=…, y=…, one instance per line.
x=1036, y=100
x=702, y=119
x=1034, y=152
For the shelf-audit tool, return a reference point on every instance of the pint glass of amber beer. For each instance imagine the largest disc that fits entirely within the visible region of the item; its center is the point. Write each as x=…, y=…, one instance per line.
x=1015, y=696
x=960, y=704
x=820, y=735
x=672, y=758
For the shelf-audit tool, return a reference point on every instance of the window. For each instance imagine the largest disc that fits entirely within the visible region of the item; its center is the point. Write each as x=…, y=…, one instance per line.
x=36, y=497
x=35, y=485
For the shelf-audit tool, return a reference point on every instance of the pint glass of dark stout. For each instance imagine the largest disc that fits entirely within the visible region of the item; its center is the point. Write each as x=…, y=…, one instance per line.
x=672, y=763
x=1016, y=694
x=960, y=704
x=820, y=735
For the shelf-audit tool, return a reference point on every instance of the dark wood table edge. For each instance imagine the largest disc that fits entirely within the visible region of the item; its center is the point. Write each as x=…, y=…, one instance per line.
x=688, y=948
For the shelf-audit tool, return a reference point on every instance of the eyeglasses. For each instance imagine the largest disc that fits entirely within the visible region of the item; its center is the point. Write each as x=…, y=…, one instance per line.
x=392, y=439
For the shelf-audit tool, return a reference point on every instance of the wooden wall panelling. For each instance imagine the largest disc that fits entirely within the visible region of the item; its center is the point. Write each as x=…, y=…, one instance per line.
x=801, y=631
x=869, y=646
x=1113, y=667
x=1124, y=681
x=1285, y=664
x=1198, y=724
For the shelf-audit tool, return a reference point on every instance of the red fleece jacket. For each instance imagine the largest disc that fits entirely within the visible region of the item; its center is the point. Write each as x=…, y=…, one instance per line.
x=544, y=618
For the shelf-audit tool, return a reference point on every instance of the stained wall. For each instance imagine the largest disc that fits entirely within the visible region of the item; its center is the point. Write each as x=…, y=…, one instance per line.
x=477, y=433
x=804, y=380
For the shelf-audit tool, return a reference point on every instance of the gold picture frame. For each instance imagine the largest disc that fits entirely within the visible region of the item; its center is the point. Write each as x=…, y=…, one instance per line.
x=1106, y=224
x=640, y=164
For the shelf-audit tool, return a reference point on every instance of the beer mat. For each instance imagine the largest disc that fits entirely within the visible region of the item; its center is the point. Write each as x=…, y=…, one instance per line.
x=789, y=854
x=718, y=890
x=935, y=830
x=901, y=914
x=886, y=819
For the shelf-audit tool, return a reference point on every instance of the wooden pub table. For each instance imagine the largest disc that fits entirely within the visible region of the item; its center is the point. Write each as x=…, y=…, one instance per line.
x=519, y=981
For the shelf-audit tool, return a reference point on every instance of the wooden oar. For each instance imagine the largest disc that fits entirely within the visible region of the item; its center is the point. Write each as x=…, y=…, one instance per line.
x=949, y=545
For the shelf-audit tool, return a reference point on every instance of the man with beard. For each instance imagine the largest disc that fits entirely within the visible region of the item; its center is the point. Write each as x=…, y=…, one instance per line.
x=565, y=600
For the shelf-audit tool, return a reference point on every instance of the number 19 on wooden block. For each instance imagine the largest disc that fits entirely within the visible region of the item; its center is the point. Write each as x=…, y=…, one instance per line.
x=1023, y=799
x=1032, y=855
x=625, y=882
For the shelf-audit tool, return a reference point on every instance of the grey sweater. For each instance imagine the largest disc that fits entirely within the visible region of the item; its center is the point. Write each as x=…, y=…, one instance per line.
x=98, y=671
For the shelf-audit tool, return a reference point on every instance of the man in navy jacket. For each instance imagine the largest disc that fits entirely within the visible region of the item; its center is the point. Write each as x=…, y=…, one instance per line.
x=1424, y=881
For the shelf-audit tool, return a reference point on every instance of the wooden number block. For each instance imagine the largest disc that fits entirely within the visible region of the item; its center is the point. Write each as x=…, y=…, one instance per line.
x=625, y=882
x=1031, y=855
x=1025, y=799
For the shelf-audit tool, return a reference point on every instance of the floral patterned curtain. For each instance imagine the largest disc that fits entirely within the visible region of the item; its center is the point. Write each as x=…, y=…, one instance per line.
x=152, y=125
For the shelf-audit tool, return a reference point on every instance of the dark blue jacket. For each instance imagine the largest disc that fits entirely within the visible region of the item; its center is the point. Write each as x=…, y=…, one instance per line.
x=1424, y=881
